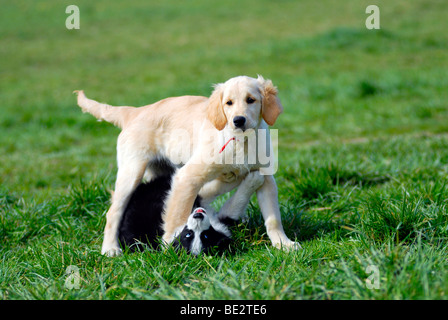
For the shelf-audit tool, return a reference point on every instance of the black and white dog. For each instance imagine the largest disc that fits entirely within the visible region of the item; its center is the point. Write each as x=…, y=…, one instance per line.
x=141, y=223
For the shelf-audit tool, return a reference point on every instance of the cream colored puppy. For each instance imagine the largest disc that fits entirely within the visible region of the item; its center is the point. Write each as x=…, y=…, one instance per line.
x=207, y=138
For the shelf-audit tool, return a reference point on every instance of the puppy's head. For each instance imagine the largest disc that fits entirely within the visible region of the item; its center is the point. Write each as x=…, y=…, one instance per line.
x=202, y=234
x=241, y=102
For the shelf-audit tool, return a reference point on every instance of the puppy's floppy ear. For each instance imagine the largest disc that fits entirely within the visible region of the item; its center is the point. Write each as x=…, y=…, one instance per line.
x=215, y=110
x=271, y=105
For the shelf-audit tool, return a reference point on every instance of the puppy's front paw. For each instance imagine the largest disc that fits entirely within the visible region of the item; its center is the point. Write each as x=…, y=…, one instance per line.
x=168, y=237
x=112, y=251
x=288, y=245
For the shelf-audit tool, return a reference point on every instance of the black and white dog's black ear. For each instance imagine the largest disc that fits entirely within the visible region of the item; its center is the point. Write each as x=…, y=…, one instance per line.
x=220, y=248
x=176, y=244
x=229, y=222
x=218, y=242
x=224, y=244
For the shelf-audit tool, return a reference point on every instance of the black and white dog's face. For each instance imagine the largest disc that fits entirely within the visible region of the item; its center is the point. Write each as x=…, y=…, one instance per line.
x=202, y=234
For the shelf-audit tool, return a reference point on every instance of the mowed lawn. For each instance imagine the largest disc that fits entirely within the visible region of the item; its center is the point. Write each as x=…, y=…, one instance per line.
x=363, y=145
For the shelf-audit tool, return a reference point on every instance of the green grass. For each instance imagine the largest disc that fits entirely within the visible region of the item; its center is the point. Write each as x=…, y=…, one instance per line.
x=363, y=145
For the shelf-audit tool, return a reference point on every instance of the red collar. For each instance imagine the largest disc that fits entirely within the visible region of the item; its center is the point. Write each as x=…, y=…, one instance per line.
x=222, y=149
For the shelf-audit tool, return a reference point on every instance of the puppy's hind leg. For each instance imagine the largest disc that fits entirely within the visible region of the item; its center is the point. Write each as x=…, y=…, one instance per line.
x=128, y=178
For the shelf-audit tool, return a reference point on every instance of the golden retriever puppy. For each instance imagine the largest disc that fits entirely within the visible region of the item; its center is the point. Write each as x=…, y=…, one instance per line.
x=213, y=141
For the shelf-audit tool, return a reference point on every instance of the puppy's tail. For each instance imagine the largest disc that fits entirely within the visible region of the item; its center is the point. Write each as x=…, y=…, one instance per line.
x=115, y=115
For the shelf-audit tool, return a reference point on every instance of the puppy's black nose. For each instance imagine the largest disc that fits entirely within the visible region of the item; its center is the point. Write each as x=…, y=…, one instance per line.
x=239, y=121
x=198, y=215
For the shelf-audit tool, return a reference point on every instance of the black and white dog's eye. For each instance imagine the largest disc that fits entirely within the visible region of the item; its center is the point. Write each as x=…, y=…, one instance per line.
x=188, y=235
x=205, y=236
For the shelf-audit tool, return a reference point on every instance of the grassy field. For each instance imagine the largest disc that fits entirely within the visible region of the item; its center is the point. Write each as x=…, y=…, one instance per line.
x=363, y=145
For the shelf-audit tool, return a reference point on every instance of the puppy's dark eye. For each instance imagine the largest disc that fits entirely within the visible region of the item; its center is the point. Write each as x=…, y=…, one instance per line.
x=250, y=100
x=188, y=235
x=229, y=103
